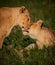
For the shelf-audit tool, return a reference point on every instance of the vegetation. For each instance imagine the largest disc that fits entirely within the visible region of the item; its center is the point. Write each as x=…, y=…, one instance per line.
x=39, y=9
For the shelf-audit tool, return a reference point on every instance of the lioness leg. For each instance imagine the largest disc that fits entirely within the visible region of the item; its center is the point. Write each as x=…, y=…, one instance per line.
x=1, y=41
x=39, y=44
x=29, y=47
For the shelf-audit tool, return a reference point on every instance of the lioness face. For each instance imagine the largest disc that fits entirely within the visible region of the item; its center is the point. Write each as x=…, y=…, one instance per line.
x=24, y=19
x=33, y=28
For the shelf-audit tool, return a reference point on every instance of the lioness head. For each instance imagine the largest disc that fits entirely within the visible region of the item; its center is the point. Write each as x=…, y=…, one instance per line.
x=23, y=18
x=33, y=28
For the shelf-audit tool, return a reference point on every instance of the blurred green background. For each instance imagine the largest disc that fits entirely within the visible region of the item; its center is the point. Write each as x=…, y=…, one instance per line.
x=39, y=9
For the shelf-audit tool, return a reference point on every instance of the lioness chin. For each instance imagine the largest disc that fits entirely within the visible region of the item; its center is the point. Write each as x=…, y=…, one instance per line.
x=10, y=17
x=43, y=35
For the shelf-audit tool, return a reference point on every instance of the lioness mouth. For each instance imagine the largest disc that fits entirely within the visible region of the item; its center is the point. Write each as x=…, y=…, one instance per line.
x=25, y=31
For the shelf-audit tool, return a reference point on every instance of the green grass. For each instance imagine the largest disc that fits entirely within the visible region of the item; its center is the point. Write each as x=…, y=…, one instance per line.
x=39, y=9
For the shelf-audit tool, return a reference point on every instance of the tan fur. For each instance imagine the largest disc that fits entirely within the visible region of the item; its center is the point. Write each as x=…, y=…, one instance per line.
x=9, y=17
x=43, y=35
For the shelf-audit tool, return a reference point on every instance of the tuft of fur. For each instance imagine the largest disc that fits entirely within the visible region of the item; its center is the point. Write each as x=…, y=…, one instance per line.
x=43, y=35
x=10, y=17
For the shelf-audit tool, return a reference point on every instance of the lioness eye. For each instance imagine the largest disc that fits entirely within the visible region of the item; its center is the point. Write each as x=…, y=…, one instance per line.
x=22, y=26
x=28, y=19
x=28, y=28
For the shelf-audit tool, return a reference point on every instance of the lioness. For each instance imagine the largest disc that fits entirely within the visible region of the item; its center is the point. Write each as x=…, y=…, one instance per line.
x=43, y=35
x=9, y=17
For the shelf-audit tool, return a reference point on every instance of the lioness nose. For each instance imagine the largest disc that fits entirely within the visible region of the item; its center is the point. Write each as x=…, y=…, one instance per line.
x=27, y=31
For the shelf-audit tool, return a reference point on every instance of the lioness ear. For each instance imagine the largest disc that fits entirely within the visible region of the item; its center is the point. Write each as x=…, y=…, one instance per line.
x=39, y=22
x=22, y=9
